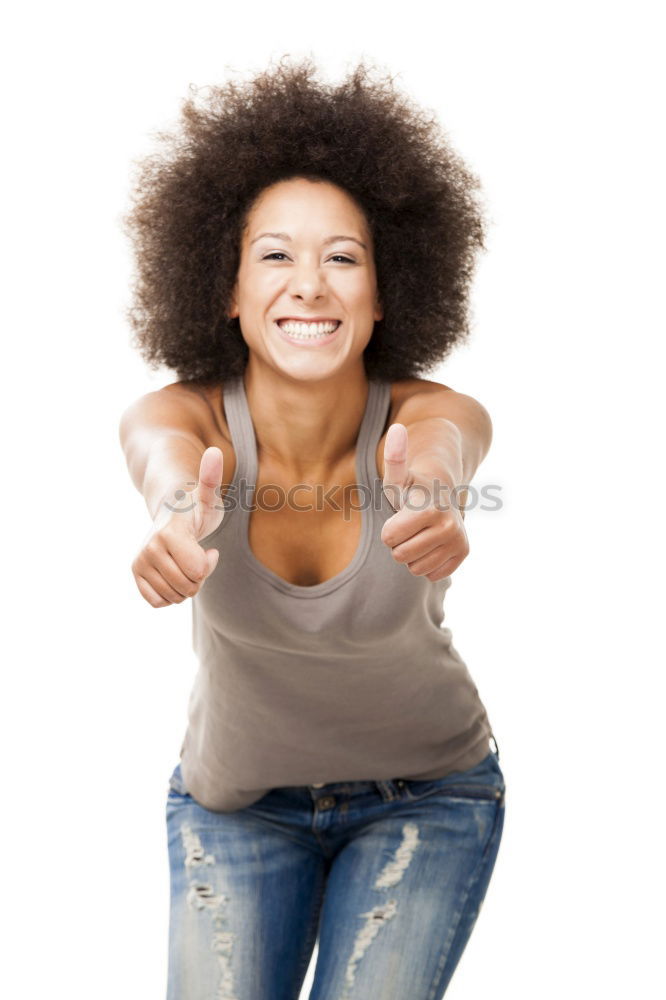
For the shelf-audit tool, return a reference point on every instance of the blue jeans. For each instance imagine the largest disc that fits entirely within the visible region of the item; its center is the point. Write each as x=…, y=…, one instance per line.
x=390, y=874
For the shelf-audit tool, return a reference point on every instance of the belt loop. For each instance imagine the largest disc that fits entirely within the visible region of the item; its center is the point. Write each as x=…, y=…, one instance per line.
x=496, y=750
x=386, y=790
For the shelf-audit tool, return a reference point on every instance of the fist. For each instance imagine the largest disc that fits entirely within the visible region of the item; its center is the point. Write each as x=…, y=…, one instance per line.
x=171, y=564
x=426, y=533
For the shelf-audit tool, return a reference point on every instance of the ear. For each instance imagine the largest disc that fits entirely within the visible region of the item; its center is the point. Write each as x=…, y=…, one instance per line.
x=232, y=311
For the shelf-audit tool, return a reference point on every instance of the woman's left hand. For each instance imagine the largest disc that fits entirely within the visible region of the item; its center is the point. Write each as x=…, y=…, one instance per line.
x=427, y=531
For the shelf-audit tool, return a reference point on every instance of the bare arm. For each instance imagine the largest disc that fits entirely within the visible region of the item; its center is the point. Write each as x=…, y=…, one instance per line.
x=450, y=434
x=162, y=436
x=437, y=441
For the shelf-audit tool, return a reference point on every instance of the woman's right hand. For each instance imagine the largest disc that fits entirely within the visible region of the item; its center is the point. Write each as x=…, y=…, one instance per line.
x=171, y=564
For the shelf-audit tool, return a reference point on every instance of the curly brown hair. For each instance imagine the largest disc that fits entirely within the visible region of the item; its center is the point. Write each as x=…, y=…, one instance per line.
x=189, y=206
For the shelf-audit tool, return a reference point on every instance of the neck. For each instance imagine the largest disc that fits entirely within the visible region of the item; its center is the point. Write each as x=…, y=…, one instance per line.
x=307, y=427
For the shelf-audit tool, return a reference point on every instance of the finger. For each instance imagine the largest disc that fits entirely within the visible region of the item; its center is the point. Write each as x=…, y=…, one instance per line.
x=446, y=569
x=150, y=594
x=404, y=525
x=430, y=562
x=176, y=578
x=188, y=556
x=158, y=582
x=396, y=470
x=213, y=556
x=172, y=585
x=210, y=477
x=421, y=546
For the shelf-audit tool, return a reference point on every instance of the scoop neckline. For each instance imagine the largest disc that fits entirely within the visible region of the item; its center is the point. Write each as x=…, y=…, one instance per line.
x=363, y=547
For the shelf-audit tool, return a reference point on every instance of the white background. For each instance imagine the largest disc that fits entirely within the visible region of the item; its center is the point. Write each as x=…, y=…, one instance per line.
x=558, y=609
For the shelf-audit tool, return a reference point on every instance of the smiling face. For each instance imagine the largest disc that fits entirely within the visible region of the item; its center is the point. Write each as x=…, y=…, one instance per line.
x=306, y=254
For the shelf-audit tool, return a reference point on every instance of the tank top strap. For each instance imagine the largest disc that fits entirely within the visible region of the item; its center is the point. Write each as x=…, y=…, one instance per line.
x=372, y=428
x=239, y=421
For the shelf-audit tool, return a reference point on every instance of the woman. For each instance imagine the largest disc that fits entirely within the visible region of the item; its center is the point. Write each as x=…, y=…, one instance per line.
x=303, y=252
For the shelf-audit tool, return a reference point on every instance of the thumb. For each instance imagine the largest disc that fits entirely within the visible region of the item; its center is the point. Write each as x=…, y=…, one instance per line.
x=396, y=470
x=210, y=477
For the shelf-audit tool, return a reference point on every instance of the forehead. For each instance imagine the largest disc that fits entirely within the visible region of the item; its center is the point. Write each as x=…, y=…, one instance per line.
x=304, y=203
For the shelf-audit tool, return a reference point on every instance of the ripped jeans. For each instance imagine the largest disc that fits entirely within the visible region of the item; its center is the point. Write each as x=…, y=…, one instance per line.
x=387, y=876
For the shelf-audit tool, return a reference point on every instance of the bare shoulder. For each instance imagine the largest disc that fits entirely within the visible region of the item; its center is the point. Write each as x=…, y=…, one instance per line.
x=402, y=391
x=424, y=398
x=405, y=388
x=206, y=400
x=419, y=399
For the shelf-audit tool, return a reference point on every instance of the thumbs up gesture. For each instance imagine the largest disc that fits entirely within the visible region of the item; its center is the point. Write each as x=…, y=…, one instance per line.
x=171, y=564
x=426, y=533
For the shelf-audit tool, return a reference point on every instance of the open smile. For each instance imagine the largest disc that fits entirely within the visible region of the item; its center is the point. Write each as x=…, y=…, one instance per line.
x=311, y=333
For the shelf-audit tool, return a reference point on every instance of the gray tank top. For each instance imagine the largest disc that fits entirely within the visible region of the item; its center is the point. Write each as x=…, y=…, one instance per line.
x=354, y=678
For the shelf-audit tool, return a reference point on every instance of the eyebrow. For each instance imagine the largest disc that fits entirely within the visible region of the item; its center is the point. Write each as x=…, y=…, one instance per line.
x=329, y=239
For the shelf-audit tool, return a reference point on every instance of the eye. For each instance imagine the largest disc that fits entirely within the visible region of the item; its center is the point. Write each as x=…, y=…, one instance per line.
x=338, y=256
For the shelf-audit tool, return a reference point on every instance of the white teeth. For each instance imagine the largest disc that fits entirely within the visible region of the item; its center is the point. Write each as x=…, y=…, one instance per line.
x=307, y=331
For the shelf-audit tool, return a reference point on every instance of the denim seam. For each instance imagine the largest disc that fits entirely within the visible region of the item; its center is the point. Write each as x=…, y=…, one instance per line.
x=473, y=879
x=306, y=953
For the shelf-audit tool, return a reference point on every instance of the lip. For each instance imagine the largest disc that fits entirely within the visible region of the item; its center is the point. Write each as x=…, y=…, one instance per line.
x=309, y=343
x=308, y=319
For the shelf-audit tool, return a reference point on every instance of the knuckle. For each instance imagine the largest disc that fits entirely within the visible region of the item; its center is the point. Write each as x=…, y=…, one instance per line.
x=151, y=548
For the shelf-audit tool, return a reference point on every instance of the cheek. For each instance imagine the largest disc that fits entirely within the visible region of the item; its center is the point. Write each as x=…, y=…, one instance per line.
x=361, y=293
x=257, y=288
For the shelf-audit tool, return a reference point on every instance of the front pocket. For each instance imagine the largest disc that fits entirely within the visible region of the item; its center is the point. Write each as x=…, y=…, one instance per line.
x=176, y=793
x=176, y=783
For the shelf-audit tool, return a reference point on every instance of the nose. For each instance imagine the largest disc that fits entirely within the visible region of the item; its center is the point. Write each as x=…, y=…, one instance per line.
x=307, y=282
